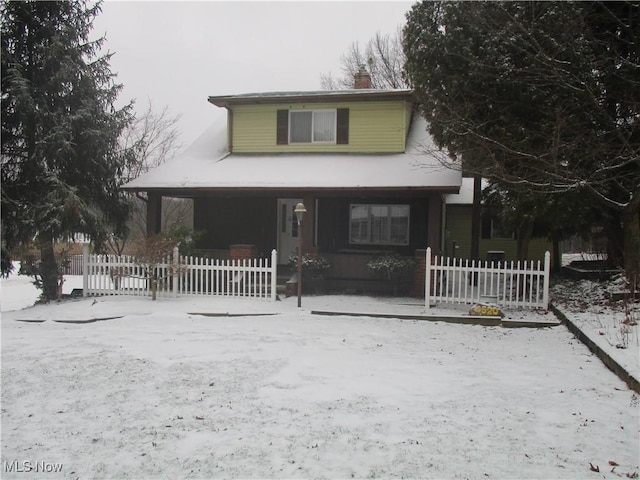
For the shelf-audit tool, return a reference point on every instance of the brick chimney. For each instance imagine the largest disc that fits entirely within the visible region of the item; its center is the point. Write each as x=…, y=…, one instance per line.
x=362, y=79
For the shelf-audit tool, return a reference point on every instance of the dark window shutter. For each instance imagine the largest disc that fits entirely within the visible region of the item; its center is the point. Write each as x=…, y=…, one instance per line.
x=282, y=133
x=342, y=124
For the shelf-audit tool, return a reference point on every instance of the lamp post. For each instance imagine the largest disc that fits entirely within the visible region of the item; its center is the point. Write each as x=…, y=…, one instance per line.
x=300, y=211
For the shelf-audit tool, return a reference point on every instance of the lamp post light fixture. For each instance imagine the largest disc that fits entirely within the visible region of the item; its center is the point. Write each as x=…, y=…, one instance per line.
x=300, y=211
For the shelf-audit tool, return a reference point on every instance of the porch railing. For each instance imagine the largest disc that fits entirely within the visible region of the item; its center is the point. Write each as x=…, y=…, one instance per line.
x=511, y=284
x=180, y=275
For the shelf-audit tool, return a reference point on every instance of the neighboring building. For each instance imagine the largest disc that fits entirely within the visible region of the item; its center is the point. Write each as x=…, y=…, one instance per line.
x=358, y=160
x=496, y=242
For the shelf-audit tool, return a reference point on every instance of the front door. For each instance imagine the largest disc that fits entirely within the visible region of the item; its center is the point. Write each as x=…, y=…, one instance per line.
x=287, y=229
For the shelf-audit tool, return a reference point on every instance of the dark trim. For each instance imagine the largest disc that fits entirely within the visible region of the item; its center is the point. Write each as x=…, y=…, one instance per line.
x=295, y=191
x=230, y=130
x=154, y=213
x=319, y=96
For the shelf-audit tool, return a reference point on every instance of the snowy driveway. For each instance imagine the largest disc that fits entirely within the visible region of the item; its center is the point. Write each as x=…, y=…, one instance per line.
x=164, y=394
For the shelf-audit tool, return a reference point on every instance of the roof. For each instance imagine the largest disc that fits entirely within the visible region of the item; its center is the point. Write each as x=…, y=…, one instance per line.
x=207, y=166
x=311, y=96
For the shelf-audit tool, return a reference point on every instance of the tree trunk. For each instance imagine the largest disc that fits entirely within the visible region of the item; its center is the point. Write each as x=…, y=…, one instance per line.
x=557, y=255
x=631, y=232
x=48, y=269
x=524, y=237
x=615, y=247
x=154, y=286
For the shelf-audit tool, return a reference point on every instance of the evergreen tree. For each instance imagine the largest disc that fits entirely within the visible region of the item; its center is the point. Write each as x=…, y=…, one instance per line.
x=61, y=167
x=538, y=96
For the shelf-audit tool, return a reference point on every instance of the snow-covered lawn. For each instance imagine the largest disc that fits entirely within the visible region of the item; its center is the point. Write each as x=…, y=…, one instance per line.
x=164, y=393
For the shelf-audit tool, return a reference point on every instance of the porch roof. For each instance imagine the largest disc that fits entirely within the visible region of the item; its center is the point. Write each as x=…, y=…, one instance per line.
x=207, y=166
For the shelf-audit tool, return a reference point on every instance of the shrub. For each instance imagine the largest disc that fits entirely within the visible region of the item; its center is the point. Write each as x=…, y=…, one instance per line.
x=393, y=266
x=313, y=266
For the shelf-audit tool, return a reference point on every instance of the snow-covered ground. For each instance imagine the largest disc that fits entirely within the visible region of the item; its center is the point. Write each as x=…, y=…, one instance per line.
x=611, y=324
x=163, y=392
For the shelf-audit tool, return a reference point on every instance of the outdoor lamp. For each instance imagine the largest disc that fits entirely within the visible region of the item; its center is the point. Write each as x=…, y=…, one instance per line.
x=299, y=211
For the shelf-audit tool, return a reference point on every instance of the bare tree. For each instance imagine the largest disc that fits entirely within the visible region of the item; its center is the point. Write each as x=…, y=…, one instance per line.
x=150, y=253
x=151, y=139
x=383, y=57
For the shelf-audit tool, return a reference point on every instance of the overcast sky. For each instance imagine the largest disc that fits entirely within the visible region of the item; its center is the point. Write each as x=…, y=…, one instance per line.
x=179, y=53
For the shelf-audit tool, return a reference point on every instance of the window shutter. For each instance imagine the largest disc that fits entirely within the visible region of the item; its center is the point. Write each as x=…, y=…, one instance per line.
x=282, y=130
x=342, y=126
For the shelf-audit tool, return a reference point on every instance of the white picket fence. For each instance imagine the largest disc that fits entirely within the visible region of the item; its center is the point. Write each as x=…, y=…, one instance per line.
x=180, y=275
x=509, y=284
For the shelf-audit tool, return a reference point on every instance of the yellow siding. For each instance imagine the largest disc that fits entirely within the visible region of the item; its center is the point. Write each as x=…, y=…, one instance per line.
x=373, y=127
x=458, y=230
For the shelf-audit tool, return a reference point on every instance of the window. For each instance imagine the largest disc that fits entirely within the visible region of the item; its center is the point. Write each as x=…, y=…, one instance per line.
x=492, y=226
x=379, y=224
x=313, y=126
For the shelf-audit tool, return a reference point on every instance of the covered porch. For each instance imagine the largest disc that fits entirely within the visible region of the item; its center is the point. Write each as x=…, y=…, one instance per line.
x=346, y=227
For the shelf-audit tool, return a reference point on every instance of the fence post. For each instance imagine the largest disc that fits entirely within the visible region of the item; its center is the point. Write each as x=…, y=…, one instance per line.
x=547, y=274
x=427, y=278
x=175, y=265
x=274, y=274
x=85, y=270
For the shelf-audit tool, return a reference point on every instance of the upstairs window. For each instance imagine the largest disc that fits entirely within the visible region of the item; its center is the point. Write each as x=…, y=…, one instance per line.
x=379, y=224
x=313, y=126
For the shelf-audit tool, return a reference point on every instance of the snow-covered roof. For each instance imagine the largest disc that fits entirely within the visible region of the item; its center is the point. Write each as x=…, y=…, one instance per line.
x=207, y=165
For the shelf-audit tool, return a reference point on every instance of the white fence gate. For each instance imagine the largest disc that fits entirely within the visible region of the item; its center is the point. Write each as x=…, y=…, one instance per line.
x=511, y=284
x=180, y=275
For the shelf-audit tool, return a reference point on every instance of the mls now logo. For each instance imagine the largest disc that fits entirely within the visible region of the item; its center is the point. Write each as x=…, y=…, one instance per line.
x=29, y=466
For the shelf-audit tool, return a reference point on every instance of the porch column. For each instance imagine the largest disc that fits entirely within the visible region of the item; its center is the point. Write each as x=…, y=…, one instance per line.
x=309, y=225
x=435, y=224
x=154, y=213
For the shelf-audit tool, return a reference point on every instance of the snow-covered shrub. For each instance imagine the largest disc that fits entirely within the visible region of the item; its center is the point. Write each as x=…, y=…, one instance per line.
x=313, y=266
x=393, y=266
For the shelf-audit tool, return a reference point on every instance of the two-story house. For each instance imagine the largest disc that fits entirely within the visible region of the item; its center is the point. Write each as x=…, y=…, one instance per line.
x=357, y=159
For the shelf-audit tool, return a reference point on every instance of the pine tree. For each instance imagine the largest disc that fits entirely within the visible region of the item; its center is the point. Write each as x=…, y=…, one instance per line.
x=61, y=167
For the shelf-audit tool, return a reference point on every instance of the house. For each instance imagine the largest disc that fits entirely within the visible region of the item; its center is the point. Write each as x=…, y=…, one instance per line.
x=358, y=159
x=496, y=242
